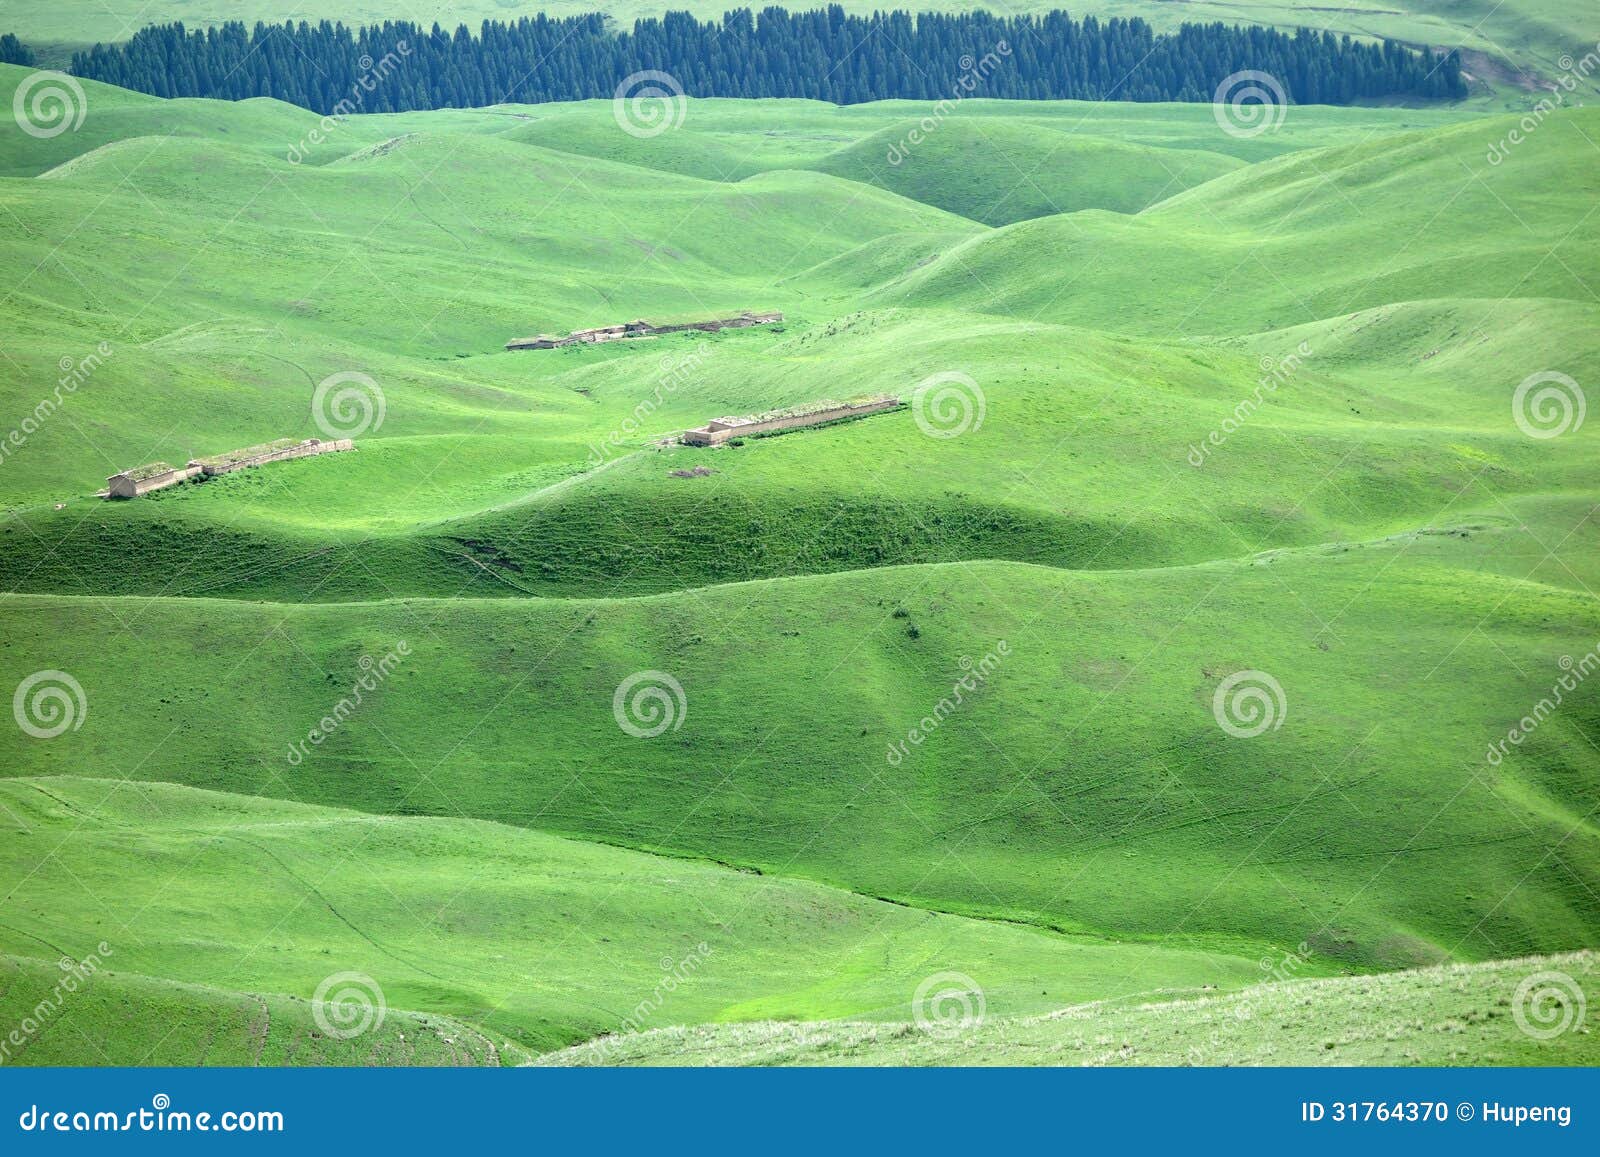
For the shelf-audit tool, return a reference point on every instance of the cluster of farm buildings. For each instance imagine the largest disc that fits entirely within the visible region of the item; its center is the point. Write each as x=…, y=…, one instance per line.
x=720, y=430
x=640, y=328
x=157, y=475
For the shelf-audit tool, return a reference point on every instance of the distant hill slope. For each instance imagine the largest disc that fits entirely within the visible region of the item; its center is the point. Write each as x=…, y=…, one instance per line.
x=1087, y=786
x=1455, y=1015
x=998, y=174
x=1345, y=233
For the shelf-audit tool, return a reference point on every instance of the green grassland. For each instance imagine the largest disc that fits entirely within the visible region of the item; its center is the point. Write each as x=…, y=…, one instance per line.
x=107, y=1019
x=479, y=835
x=1458, y=1015
x=536, y=940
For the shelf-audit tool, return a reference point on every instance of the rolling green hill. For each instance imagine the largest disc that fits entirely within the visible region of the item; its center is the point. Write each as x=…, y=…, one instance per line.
x=1245, y=409
x=1460, y=1015
x=533, y=941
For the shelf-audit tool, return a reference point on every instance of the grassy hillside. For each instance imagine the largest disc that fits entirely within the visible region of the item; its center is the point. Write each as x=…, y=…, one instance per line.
x=532, y=940
x=116, y=1018
x=1038, y=800
x=1247, y=408
x=1459, y=1015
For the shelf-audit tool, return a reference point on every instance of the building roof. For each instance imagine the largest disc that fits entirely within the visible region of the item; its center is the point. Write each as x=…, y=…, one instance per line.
x=149, y=470
x=249, y=452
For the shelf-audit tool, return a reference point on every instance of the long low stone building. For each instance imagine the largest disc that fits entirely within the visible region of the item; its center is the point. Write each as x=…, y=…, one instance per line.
x=720, y=430
x=157, y=475
x=280, y=451
x=640, y=328
x=144, y=479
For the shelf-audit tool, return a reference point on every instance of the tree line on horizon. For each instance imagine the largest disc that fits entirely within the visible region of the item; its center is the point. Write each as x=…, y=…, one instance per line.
x=825, y=54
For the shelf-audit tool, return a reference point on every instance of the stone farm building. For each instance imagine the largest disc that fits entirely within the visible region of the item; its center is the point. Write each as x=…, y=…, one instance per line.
x=144, y=479
x=640, y=328
x=719, y=430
